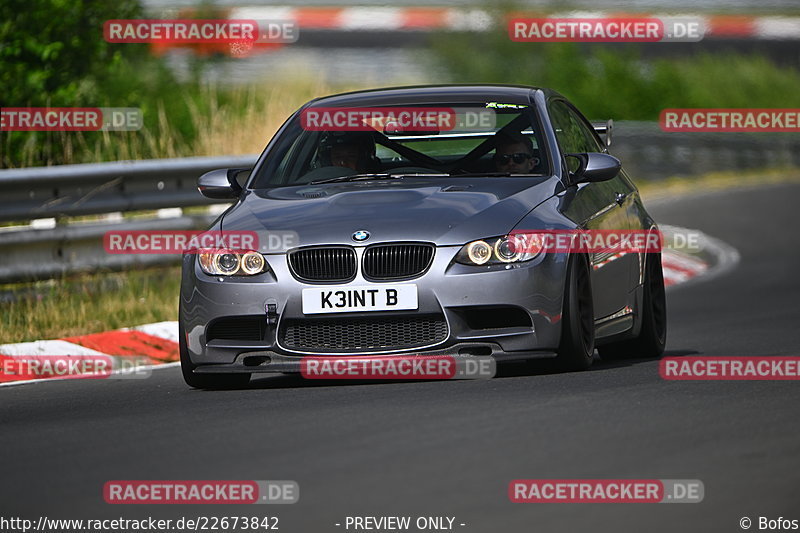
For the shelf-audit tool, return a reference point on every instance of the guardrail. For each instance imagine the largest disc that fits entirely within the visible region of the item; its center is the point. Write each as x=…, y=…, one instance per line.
x=96, y=188
x=647, y=153
x=32, y=252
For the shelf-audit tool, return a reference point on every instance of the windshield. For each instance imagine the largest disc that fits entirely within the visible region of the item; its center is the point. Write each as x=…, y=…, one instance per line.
x=337, y=144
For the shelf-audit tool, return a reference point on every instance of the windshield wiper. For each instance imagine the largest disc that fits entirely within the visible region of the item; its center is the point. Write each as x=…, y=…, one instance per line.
x=381, y=176
x=492, y=174
x=353, y=177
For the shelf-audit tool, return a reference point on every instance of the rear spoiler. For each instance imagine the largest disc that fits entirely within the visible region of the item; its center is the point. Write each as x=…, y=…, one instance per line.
x=604, y=128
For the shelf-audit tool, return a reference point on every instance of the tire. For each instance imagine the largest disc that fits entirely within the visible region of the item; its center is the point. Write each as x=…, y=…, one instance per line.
x=652, y=337
x=576, y=347
x=206, y=381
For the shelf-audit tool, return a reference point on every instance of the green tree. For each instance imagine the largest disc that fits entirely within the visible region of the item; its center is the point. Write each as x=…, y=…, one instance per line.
x=52, y=52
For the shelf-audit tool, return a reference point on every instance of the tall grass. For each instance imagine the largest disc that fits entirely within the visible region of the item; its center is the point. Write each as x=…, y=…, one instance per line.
x=200, y=120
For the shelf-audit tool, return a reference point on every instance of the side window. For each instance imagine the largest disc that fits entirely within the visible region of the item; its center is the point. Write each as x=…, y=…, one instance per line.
x=569, y=137
x=591, y=142
x=573, y=135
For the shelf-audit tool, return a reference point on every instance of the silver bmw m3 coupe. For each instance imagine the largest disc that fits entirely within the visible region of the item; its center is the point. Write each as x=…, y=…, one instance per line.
x=399, y=222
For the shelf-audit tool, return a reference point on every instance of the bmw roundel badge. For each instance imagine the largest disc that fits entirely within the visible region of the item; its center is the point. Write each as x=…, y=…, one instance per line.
x=361, y=235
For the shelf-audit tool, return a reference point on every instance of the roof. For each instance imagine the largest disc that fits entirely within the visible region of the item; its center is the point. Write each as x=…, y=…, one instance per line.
x=429, y=94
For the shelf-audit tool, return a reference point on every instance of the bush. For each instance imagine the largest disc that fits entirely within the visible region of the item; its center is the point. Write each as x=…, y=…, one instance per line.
x=53, y=54
x=613, y=81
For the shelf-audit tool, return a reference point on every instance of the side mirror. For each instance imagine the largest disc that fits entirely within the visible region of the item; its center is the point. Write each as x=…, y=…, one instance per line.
x=594, y=166
x=220, y=184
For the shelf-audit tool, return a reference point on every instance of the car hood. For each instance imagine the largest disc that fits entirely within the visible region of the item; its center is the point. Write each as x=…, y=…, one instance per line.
x=449, y=211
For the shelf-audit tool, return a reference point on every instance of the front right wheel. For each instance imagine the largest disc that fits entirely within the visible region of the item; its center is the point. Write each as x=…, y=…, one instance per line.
x=576, y=349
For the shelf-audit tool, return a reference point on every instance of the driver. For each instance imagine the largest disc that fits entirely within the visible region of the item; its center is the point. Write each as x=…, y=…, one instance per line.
x=353, y=150
x=514, y=153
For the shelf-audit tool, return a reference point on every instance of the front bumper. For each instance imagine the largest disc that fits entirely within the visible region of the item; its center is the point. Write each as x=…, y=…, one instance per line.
x=471, y=301
x=271, y=362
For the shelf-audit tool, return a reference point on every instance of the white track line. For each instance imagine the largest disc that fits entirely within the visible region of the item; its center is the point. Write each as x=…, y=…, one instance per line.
x=54, y=347
x=50, y=380
x=165, y=330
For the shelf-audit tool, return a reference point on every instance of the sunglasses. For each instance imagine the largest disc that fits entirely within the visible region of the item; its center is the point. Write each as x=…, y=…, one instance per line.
x=518, y=158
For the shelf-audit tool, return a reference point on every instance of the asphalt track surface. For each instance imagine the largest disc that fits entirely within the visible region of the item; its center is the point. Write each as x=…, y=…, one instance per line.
x=451, y=448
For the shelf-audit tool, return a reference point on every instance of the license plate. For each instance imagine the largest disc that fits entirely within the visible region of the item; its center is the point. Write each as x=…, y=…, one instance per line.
x=351, y=299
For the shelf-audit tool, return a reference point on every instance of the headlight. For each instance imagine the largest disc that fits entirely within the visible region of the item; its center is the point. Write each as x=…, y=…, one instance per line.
x=253, y=263
x=478, y=252
x=506, y=251
x=226, y=263
x=514, y=248
x=231, y=263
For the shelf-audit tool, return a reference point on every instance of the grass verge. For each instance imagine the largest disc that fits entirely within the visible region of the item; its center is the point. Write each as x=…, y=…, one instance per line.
x=715, y=181
x=88, y=304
